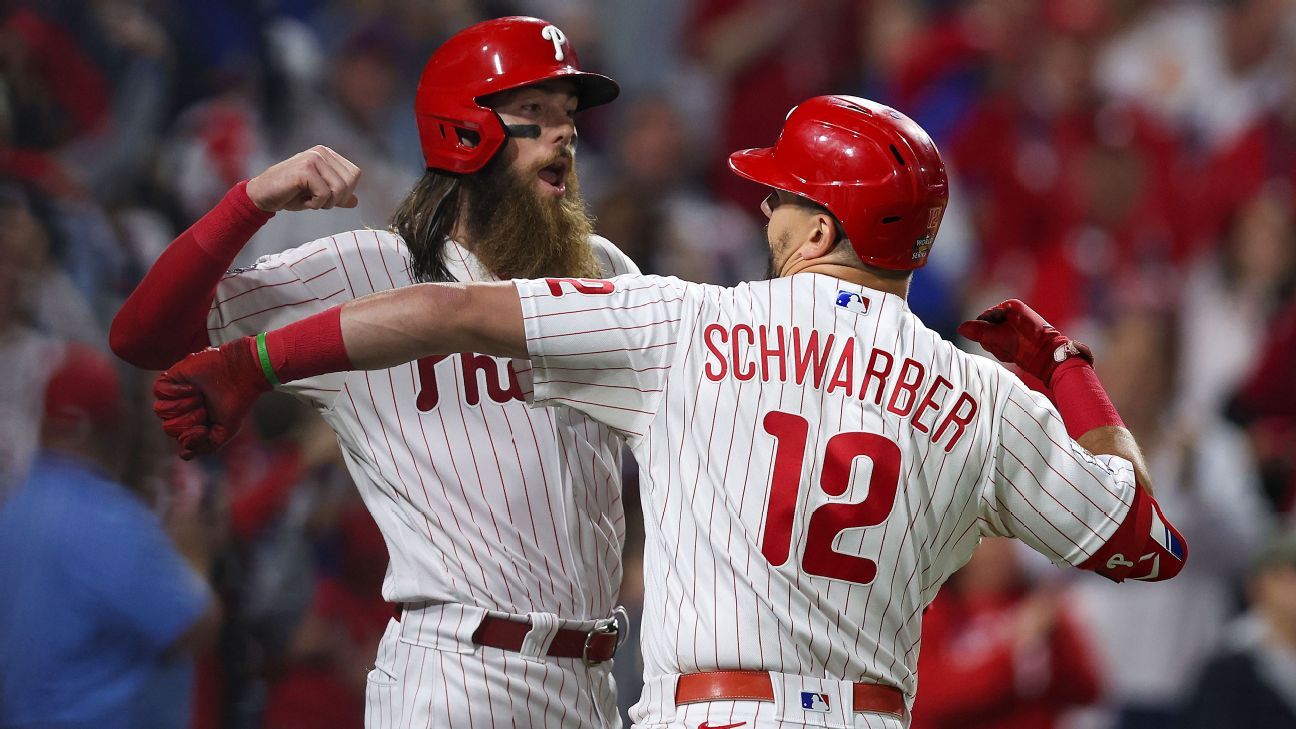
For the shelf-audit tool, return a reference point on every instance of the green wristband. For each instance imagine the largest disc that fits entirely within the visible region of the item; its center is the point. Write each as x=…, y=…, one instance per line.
x=264, y=355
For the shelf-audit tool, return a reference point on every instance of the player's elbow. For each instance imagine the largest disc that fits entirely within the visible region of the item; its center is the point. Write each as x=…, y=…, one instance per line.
x=444, y=318
x=483, y=318
x=129, y=341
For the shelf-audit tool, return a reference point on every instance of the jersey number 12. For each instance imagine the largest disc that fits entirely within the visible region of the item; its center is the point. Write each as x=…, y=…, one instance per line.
x=828, y=520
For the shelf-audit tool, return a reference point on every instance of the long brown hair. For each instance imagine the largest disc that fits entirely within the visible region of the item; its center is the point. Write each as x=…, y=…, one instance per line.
x=425, y=219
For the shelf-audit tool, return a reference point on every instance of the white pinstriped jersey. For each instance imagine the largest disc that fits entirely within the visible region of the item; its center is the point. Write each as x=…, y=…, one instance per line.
x=815, y=463
x=482, y=500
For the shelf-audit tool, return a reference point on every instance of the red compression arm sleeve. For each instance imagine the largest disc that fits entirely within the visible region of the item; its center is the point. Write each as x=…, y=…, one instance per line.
x=165, y=318
x=1081, y=399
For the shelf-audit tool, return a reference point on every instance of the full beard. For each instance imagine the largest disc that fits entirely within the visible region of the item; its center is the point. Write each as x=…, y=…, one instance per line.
x=515, y=232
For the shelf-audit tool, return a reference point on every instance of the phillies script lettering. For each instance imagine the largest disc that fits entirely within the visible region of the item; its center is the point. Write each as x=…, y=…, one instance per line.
x=790, y=354
x=500, y=380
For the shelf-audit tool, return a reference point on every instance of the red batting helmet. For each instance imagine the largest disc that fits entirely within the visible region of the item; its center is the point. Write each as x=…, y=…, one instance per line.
x=874, y=169
x=458, y=133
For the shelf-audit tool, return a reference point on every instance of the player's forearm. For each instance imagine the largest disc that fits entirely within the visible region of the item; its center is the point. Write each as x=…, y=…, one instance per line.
x=165, y=317
x=1090, y=417
x=1117, y=441
x=392, y=327
x=397, y=326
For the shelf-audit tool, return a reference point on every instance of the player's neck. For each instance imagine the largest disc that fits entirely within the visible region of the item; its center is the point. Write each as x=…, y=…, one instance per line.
x=899, y=287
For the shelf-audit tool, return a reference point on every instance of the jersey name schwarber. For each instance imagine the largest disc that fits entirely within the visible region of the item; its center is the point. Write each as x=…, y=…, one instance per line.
x=908, y=390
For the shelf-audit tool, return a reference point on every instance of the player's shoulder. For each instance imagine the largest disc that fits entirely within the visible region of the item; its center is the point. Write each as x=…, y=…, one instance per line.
x=980, y=366
x=355, y=262
x=743, y=300
x=365, y=241
x=365, y=245
x=974, y=370
x=611, y=259
x=662, y=293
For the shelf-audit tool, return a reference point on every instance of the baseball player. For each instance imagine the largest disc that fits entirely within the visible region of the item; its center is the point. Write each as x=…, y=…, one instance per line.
x=815, y=462
x=504, y=524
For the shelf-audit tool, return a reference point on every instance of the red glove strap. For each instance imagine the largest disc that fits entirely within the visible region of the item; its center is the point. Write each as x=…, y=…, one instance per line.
x=1081, y=399
x=310, y=347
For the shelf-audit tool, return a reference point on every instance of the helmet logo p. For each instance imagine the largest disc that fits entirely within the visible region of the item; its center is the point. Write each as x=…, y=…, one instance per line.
x=555, y=36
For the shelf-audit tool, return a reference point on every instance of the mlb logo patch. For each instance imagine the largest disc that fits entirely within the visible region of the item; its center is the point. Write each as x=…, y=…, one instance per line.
x=811, y=701
x=852, y=301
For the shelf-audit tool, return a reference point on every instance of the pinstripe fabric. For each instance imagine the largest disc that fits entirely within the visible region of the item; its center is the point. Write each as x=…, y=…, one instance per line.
x=482, y=501
x=690, y=372
x=427, y=674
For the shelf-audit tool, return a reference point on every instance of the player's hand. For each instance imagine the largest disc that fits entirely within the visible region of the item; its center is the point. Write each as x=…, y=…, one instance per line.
x=203, y=398
x=1014, y=333
x=316, y=179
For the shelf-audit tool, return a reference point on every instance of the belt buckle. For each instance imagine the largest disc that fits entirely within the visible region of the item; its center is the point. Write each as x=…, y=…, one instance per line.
x=608, y=626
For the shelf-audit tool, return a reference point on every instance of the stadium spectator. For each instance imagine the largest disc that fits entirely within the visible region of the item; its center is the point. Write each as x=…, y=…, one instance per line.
x=764, y=57
x=1231, y=295
x=99, y=598
x=999, y=653
x=1251, y=682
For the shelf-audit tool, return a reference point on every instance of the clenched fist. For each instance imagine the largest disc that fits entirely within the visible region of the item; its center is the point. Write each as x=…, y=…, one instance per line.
x=204, y=397
x=1015, y=334
x=316, y=179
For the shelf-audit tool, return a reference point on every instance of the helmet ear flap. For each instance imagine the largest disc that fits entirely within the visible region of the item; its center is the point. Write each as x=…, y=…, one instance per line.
x=462, y=139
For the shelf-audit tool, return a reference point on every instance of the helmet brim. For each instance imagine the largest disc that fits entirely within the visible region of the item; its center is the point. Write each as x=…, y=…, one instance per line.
x=592, y=89
x=759, y=166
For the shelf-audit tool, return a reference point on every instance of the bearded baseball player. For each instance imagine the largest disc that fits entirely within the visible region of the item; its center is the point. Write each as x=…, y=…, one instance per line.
x=816, y=462
x=504, y=523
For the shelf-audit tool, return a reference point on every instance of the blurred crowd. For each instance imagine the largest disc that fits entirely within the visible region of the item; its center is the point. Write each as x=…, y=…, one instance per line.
x=1128, y=167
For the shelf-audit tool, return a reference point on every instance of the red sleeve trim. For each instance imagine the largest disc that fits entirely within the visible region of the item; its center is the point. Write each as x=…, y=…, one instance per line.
x=1144, y=547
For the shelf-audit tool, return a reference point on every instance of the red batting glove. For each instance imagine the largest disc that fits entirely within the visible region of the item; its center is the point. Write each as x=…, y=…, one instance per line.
x=203, y=398
x=1014, y=333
